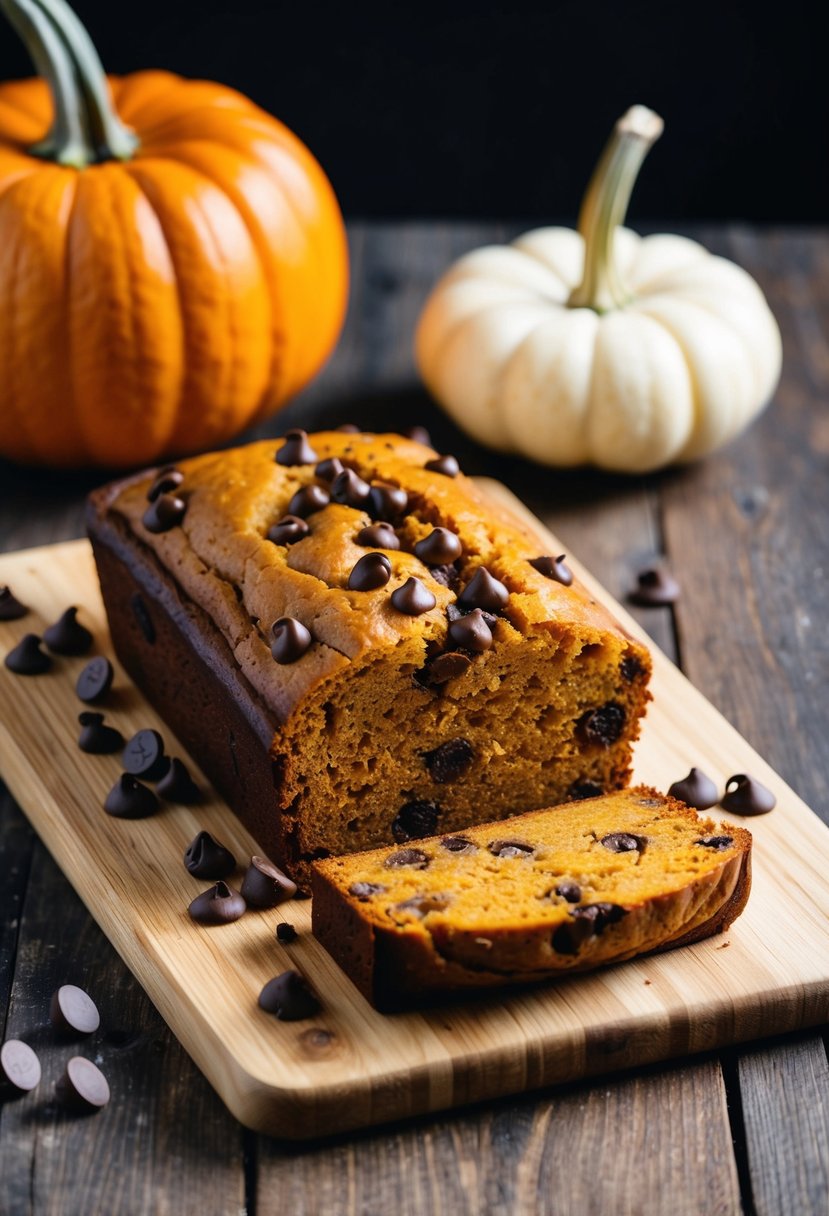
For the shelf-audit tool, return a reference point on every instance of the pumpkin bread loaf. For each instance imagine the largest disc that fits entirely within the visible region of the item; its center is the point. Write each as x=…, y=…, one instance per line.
x=534, y=897
x=357, y=646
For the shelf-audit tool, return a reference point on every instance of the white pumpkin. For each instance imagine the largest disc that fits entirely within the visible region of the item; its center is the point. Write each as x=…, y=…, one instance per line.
x=600, y=346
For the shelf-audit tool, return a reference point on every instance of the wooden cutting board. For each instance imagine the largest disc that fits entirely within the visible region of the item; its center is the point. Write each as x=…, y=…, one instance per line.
x=351, y=1066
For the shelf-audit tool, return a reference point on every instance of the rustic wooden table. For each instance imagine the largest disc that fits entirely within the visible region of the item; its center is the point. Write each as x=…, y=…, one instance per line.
x=746, y=1130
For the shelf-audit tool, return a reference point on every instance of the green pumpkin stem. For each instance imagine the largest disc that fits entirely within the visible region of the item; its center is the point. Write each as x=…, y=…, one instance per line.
x=605, y=205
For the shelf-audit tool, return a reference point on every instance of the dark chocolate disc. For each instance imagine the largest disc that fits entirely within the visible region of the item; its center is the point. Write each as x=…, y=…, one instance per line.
x=290, y=997
x=97, y=739
x=206, y=857
x=19, y=1068
x=144, y=755
x=83, y=1085
x=73, y=1011
x=177, y=785
x=95, y=680
x=26, y=658
x=129, y=799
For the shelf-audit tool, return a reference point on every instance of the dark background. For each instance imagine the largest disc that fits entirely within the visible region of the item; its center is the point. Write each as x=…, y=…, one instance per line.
x=500, y=109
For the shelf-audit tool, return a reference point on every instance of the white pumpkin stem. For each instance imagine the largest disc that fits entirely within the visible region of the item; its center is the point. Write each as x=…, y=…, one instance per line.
x=605, y=205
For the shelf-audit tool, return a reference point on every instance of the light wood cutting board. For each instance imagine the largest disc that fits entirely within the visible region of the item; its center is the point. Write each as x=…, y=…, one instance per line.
x=350, y=1066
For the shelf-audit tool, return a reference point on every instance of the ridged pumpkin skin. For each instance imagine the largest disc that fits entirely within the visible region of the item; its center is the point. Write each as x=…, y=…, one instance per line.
x=159, y=305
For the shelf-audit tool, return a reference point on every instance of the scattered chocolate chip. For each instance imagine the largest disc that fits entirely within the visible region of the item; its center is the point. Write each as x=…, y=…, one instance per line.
x=129, y=799
x=166, y=482
x=418, y=434
x=584, y=789
x=553, y=568
x=67, y=636
x=296, y=449
x=378, y=536
x=422, y=905
x=454, y=613
x=603, y=725
x=144, y=755
x=471, y=632
x=407, y=857
x=748, y=797
x=447, y=575
x=444, y=667
x=95, y=680
x=291, y=640
x=415, y=820
x=286, y=933
x=370, y=572
x=447, y=465
x=348, y=428
x=449, y=761
x=329, y=469
x=717, y=843
x=26, y=658
x=177, y=785
x=218, y=905
x=349, y=489
x=83, y=1085
x=589, y=920
x=265, y=885
x=655, y=588
x=413, y=598
x=366, y=890
x=458, y=844
x=143, y=619
x=623, y=842
x=571, y=891
x=288, y=530
x=97, y=739
x=308, y=500
x=73, y=1011
x=290, y=997
x=19, y=1068
x=484, y=591
x=696, y=790
x=387, y=501
x=438, y=548
x=510, y=848
x=206, y=857
x=631, y=668
x=165, y=513
x=11, y=609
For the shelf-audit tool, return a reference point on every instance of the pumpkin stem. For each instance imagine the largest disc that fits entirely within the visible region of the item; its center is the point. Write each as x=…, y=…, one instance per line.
x=85, y=128
x=605, y=205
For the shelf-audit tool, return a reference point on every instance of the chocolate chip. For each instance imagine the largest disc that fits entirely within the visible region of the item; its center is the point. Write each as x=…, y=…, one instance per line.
x=422, y=905
x=696, y=790
x=166, y=481
x=177, y=785
x=11, y=609
x=484, y=591
x=26, y=658
x=407, y=857
x=446, y=575
x=370, y=572
x=291, y=640
x=97, y=739
x=471, y=632
x=129, y=799
x=748, y=797
x=218, y=905
x=286, y=933
x=349, y=489
x=589, y=920
x=144, y=755
x=571, y=891
x=584, y=789
x=439, y=547
x=553, y=568
x=603, y=725
x=143, y=619
x=449, y=761
x=308, y=500
x=510, y=848
x=290, y=997
x=444, y=667
x=348, y=428
x=718, y=843
x=415, y=820
x=366, y=890
x=413, y=598
x=418, y=434
x=387, y=501
x=447, y=465
x=83, y=1085
x=454, y=613
x=265, y=885
x=458, y=844
x=328, y=470
x=206, y=857
x=288, y=530
x=296, y=449
x=631, y=668
x=623, y=842
x=19, y=1068
x=165, y=513
x=67, y=636
x=73, y=1011
x=655, y=588
x=95, y=680
x=378, y=536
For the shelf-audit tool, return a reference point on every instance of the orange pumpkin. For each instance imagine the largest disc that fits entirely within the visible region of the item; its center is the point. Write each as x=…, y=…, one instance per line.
x=173, y=262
